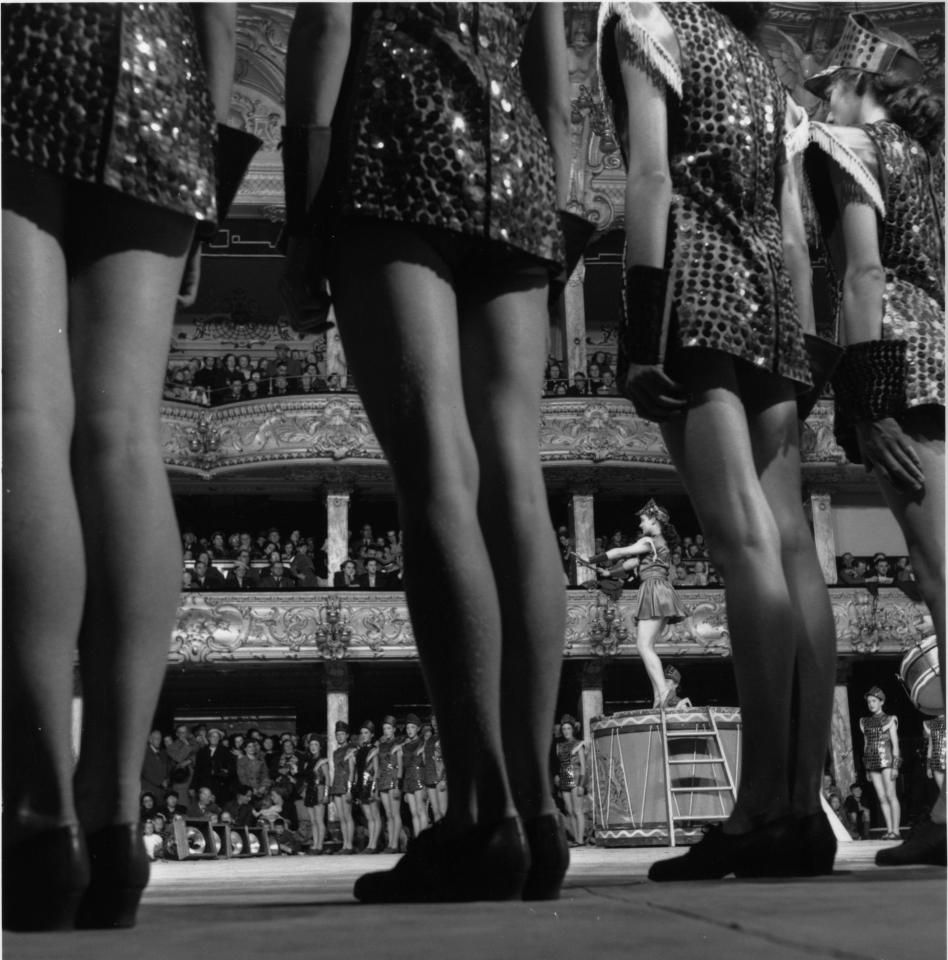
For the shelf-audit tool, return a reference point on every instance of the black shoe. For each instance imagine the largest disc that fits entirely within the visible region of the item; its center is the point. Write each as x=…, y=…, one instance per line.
x=549, y=857
x=485, y=863
x=119, y=874
x=44, y=878
x=771, y=850
x=817, y=845
x=925, y=844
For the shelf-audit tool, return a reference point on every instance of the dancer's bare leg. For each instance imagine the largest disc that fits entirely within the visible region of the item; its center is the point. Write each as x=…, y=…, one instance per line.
x=39, y=506
x=503, y=349
x=772, y=416
x=647, y=633
x=711, y=448
x=122, y=301
x=398, y=318
x=882, y=794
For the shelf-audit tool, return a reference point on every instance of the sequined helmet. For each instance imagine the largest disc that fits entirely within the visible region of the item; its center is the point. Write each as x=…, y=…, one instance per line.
x=566, y=718
x=875, y=692
x=866, y=47
x=654, y=512
x=342, y=726
x=413, y=718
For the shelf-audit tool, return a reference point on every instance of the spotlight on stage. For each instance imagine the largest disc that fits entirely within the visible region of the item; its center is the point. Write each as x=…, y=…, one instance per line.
x=195, y=840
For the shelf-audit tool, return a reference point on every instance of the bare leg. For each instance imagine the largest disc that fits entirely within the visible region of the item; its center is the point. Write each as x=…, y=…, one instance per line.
x=895, y=808
x=878, y=783
x=398, y=319
x=570, y=806
x=646, y=633
x=503, y=349
x=39, y=506
x=711, y=448
x=922, y=519
x=319, y=825
x=121, y=308
x=579, y=811
x=772, y=416
x=435, y=802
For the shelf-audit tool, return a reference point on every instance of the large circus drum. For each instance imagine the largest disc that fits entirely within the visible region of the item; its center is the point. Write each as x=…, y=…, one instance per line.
x=919, y=672
x=630, y=799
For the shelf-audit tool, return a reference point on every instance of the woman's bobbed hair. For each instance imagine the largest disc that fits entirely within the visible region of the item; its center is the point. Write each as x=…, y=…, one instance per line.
x=918, y=110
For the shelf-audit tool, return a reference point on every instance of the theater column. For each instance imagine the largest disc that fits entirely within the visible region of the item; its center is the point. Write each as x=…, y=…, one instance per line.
x=820, y=509
x=591, y=698
x=569, y=329
x=337, y=680
x=582, y=530
x=337, y=527
x=841, y=734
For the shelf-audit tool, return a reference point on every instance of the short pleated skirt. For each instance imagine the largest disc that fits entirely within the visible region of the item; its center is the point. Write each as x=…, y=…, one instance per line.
x=658, y=600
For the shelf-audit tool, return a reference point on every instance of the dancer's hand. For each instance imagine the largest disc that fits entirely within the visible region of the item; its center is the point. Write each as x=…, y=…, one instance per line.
x=653, y=393
x=885, y=446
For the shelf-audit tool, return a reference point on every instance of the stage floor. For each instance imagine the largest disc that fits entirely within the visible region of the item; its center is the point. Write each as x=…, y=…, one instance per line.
x=302, y=907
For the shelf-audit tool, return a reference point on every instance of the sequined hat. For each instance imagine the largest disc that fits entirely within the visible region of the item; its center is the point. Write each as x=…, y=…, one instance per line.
x=413, y=718
x=866, y=47
x=368, y=725
x=654, y=512
x=566, y=718
x=389, y=719
x=342, y=726
x=875, y=692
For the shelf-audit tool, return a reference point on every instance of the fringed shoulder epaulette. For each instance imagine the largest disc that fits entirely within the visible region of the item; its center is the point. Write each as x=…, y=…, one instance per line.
x=652, y=42
x=853, y=152
x=796, y=134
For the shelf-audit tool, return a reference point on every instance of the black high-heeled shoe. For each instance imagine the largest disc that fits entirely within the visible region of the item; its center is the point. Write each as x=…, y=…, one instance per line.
x=549, y=857
x=771, y=850
x=44, y=878
x=488, y=862
x=119, y=874
x=817, y=845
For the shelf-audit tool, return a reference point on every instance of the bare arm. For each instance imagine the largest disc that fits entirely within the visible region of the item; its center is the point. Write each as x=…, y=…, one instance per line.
x=796, y=252
x=545, y=74
x=216, y=24
x=639, y=548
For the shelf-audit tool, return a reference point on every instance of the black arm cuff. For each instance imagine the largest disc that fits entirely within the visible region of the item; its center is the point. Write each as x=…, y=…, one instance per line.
x=643, y=313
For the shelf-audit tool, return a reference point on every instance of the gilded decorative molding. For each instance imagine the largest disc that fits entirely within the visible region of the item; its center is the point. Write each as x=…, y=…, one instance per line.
x=341, y=626
x=333, y=430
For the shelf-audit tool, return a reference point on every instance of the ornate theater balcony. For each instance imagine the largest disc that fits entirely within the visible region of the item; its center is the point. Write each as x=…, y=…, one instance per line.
x=333, y=626
x=267, y=437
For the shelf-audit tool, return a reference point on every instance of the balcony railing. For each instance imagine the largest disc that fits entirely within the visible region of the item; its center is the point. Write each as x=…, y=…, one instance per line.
x=333, y=429
x=326, y=626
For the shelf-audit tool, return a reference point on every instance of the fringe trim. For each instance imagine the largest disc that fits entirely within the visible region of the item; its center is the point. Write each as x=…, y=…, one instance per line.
x=849, y=162
x=657, y=60
x=796, y=139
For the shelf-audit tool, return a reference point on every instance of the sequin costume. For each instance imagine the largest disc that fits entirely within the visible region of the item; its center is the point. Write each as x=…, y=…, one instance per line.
x=413, y=755
x=570, y=771
x=889, y=170
x=432, y=749
x=363, y=787
x=657, y=598
x=433, y=127
x=387, y=765
x=114, y=95
x=315, y=789
x=730, y=288
x=877, y=749
x=935, y=728
x=340, y=773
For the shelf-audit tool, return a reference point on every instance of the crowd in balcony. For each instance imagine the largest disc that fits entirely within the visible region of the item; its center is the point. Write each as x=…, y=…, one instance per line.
x=212, y=381
x=597, y=380
x=240, y=562
x=879, y=570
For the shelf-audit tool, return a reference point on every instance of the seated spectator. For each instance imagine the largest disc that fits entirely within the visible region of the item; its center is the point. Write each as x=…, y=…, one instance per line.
x=240, y=578
x=271, y=808
x=302, y=569
x=243, y=366
x=607, y=387
x=218, y=547
x=240, y=810
x=206, y=375
x=702, y=545
x=280, y=386
x=333, y=383
x=602, y=360
x=147, y=806
x=578, y=387
x=203, y=580
x=554, y=377
x=231, y=392
x=700, y=573
x=152, y=840
x=857, y=812
x=714, y=579
x=903, y=569
x=594, y=381
x=204, y=807
x=173, y=808
x=682, y=577
x=880, y=571
x=251, y=390
x=287, y=840
x=346, y=577
x=830, y=789
x=854, y=575
x=275, y=578
x=310, y=380
x=373, y=578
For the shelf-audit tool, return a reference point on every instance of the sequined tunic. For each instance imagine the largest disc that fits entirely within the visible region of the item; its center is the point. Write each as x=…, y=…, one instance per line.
x=433, y=126
x=911, y=248
x=363, y=789
x=936, y=731
x=413, y=755
x=340, y=773
x=313, y=770
x=877, y=749
x=387, y=765
x=567, y=753
x=111, y=94
x=730, y=287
